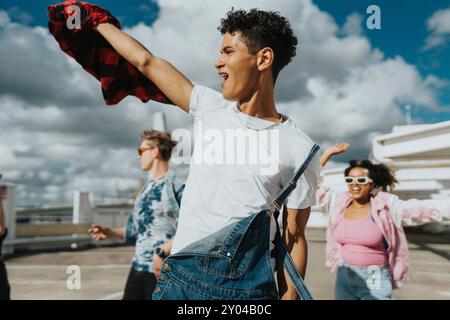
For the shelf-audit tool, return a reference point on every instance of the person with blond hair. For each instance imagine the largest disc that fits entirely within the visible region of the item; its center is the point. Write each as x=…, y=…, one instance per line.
x=152, y=224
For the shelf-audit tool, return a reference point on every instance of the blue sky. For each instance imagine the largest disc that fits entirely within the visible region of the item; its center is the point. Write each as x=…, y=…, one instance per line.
x=403, y=28
x=129, y=12
x=403, y=31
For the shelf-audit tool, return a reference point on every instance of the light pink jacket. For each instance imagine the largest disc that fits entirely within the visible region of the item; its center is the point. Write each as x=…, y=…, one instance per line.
x=389, y=213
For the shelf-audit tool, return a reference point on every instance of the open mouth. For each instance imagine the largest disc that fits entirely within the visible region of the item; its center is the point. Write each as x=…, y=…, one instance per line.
x=356, y=189
x=224, y=75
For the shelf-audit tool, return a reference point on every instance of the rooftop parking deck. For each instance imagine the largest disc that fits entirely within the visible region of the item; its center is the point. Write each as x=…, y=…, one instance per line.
x=104, y=271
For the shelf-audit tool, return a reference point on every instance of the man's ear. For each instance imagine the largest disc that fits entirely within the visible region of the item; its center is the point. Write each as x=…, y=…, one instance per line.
x=265, y=58
x=157, y=153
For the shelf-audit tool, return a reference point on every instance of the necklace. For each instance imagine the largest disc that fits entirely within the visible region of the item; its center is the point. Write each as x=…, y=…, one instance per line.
x=281, y=118
x=237, y=111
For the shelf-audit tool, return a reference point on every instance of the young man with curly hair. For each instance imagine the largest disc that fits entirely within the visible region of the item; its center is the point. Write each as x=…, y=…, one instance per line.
x=256, y=46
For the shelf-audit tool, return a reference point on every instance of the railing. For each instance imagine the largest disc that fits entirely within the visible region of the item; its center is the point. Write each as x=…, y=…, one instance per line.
x=59, y=227
x=63, y=214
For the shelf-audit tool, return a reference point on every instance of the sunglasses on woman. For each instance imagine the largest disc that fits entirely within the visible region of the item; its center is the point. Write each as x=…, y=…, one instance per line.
x=358, y=180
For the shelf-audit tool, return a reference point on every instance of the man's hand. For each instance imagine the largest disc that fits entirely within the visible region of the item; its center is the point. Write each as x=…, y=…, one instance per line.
x=157, y=265
x=2, y=230
x=98, y=233
x=158, y=261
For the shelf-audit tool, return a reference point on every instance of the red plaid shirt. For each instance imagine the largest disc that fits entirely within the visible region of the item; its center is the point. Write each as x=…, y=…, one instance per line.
x=118, y=77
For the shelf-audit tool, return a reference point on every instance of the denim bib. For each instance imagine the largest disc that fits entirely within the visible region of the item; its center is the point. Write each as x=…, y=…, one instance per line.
x=233, y=263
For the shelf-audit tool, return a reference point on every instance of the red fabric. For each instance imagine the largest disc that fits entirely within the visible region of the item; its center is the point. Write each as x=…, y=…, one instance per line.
x=118, y=77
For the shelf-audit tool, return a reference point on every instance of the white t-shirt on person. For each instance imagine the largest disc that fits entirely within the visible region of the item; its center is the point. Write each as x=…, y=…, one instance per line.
x=229, y=182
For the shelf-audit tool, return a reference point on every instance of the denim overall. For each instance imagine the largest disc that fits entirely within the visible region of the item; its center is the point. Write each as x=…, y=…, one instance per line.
x=233, y=263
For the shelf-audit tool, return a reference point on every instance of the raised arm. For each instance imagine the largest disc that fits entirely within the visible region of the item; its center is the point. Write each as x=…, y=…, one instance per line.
x=165, y=76
x=323, y=194
x=332, y=151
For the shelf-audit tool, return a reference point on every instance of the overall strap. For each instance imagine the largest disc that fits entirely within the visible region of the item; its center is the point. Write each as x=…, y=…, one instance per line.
x=296, y=278
x=290, y=186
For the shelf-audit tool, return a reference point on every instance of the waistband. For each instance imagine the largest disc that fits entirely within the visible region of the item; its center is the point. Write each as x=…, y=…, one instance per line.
x=374, y=267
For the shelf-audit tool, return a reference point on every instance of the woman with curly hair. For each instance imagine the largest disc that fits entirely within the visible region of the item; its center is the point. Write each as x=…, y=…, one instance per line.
x=365, y=239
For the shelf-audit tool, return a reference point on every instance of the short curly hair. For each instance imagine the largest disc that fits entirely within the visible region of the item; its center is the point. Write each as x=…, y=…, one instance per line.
x=263, y=29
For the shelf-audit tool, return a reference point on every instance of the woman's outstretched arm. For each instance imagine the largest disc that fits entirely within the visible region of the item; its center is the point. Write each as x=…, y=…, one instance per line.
x=415, y=212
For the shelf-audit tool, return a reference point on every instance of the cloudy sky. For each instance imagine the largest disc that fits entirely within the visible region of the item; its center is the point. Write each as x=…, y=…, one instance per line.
x=57, y=135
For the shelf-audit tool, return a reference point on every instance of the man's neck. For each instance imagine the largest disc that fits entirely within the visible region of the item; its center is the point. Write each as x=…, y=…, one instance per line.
x=159, y=169
x=261, y=104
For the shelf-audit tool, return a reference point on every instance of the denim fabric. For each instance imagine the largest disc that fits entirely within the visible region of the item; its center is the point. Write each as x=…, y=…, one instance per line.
x=228, y=264
x=357, y=283
x=232, y=264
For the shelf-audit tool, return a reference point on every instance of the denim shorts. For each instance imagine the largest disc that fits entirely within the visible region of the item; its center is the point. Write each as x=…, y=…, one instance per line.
x=358, y=283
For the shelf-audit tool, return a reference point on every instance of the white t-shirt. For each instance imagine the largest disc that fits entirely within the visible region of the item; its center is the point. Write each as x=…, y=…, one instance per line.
x=227, y=183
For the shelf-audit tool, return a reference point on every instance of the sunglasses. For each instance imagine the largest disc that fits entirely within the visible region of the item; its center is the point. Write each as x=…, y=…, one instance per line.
x=358, y=180
x=141, y=150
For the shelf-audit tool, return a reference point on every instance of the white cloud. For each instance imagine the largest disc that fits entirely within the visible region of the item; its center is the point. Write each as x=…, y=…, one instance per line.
x=367, y=100
x=33, y=68
x=57, y=135
x=353, y=24
x=4, y=19
x=439, y=26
